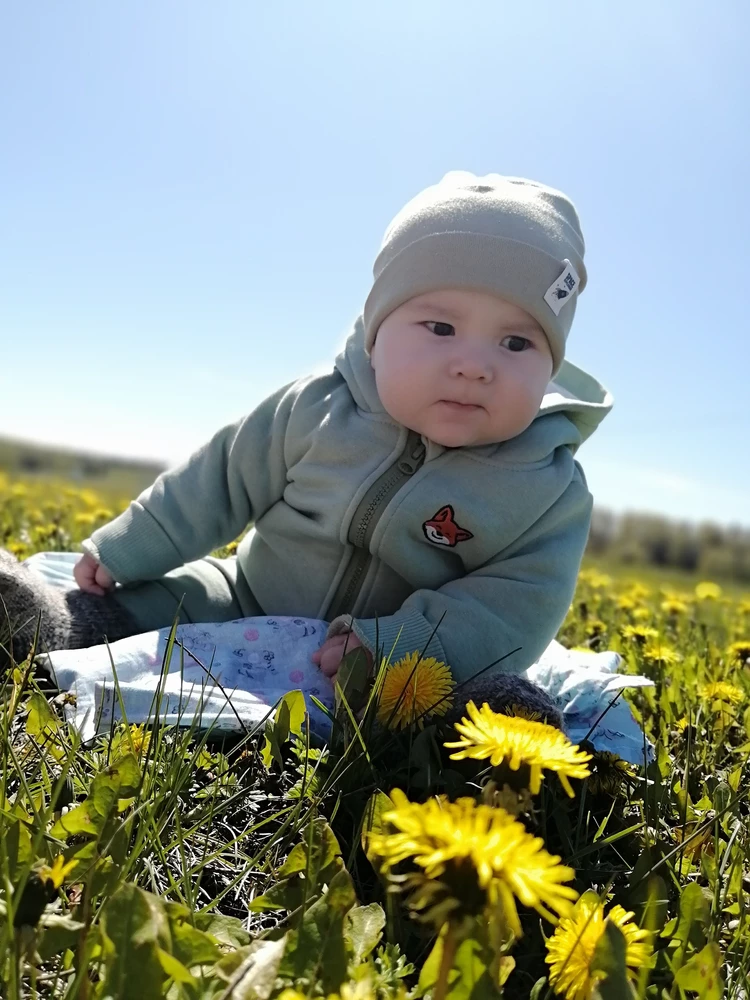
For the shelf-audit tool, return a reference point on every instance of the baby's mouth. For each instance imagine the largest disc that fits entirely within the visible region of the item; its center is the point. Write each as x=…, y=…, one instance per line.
x=459, y=407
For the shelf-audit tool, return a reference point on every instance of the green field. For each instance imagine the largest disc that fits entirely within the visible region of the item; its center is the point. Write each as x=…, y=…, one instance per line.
x=162, y=862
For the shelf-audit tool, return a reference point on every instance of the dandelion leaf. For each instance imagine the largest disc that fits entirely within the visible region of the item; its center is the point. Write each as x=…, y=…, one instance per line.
x=251, y=971
x=60, y=931
x=694, y=916
x=290, y=715
x=353, y=679
x=127, y=774
x=363, y=926
x=318, y=849
x=41, y=721
x=372, y=820
x=44, y=727
x=609, y=958
x=135, y=928
x=649, y=893
x=107, y=788
x=190, y=945
x=226, y=930
x=424, y=758
x=317, y=951
x=288, y=718
x=174, y=968
x=469, y=977
x=15, y=842
x=309, y=866
x=702, y=973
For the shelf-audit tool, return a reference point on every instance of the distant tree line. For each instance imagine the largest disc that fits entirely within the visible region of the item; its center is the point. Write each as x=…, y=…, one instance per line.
x=650, y=539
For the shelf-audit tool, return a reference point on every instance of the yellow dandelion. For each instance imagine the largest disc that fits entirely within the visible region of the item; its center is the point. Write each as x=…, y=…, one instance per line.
x=140, y=740
x=85, y=519
x=132, y=739
x=744, y=607
x=625, y=603
x=681, y=724
x=472, y=856
x=673, y=606
x=659, y=652
x=363, y=989
x=608, y=772
x=639, y=633
x=707, y=591
x=596, y=580
x=571, y=949
x=638, y=592
x=723, y=692
x=739, y=652
x=57, y=872
x=523, y=712
x=595, y=627
x=414, y=689
x=519, y=741
x=641, y=614
x=88, y=497
x=103, y=514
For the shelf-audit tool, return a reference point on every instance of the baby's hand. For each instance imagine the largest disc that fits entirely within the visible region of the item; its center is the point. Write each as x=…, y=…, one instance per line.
x=330, y=654
x=92, y=577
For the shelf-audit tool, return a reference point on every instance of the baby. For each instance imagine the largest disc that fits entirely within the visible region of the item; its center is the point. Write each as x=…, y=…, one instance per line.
x=422, y=495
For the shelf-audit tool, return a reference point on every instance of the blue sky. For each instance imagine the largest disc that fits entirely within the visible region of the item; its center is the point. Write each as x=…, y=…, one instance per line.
x=192, y=196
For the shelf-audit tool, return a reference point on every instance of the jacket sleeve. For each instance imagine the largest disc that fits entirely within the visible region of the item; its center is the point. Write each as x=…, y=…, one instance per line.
x=519, y=598
x=204, y=503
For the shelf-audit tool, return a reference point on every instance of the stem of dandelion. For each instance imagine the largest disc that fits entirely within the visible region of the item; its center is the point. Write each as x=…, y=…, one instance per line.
x=450, y=942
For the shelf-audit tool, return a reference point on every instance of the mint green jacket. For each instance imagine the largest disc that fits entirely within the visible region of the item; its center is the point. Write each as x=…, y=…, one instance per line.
x=467, y=553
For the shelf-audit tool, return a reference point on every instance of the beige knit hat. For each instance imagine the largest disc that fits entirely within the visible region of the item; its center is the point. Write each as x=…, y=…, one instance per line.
x=516, y=238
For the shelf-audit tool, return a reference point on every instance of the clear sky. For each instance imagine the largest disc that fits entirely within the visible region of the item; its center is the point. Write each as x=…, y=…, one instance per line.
x=192, y=196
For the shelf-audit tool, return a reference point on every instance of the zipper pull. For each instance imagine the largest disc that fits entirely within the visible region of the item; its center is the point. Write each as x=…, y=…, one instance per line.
x=410, y=466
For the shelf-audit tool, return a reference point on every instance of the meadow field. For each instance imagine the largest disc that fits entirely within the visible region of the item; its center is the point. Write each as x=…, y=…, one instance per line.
x=406, y=858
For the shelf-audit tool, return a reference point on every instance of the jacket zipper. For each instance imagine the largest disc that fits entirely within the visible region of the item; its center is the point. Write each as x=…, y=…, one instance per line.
x=365, y=520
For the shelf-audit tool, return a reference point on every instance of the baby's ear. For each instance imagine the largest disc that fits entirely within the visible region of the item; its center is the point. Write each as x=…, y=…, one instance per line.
x=444, y=514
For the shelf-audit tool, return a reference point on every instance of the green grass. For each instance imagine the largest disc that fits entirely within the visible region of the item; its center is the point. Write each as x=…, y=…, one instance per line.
x=169, y=862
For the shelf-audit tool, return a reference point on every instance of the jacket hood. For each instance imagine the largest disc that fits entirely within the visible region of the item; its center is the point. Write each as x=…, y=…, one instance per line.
x=573, y=406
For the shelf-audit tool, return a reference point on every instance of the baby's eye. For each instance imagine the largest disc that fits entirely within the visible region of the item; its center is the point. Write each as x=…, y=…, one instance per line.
x=517, y=344
x=446, y=331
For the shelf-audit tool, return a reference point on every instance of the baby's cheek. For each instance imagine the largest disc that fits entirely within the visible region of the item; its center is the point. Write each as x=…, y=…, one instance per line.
x=401, y=396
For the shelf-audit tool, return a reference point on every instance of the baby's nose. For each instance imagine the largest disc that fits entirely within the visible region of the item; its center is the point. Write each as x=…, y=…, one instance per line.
x=473, y=366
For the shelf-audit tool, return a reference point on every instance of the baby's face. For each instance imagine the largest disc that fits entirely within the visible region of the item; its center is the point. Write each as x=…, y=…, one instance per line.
x=461, y=367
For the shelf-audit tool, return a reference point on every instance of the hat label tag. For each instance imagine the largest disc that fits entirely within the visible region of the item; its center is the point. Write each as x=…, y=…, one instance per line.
x=563, y=289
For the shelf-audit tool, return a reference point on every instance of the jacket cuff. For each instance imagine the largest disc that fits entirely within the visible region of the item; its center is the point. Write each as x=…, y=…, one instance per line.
x=395, y=636
x=134, y=547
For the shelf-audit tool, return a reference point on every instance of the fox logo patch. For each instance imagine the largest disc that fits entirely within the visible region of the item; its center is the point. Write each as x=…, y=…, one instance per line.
x=443, y=529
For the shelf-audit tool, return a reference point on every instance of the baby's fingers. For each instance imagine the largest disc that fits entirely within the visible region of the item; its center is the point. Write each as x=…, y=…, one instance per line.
x=103, y=580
